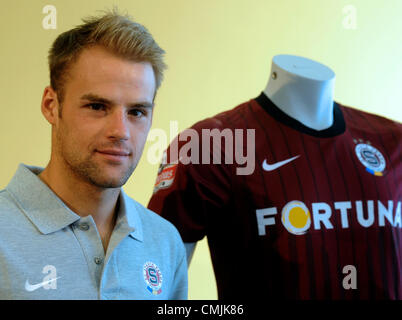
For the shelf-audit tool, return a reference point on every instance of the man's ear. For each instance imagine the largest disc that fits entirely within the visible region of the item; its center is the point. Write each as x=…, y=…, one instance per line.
x=50, y=105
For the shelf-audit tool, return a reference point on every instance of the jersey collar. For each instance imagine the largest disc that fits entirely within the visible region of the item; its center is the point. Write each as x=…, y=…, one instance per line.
x=338, y=127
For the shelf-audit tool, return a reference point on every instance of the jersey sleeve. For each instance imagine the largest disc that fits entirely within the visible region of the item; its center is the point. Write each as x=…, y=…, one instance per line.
x=186, y=189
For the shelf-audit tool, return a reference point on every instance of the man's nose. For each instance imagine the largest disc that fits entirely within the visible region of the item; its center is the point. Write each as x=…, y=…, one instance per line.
x=118, y=125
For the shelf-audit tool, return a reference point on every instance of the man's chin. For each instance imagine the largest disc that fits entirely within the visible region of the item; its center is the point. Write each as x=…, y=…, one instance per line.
x=108, y=180
x=104, y=176
x=108, y=183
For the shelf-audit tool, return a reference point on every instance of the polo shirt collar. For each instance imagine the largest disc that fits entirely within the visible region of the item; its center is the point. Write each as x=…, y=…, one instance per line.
x=49, y=213
x=129, y=214
x=39, y=203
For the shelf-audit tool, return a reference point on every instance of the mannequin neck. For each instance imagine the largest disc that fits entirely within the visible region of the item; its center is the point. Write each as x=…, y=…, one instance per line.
x=303, y=89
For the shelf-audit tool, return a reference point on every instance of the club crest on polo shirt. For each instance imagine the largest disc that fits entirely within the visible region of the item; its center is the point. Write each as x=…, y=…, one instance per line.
x=371, y=158
x=153, y=278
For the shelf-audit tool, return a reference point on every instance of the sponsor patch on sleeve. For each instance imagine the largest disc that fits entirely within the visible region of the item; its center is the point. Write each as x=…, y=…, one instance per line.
x=165, y=178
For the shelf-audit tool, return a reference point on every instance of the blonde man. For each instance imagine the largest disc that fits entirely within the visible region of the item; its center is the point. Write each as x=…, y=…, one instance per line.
x=68, y=231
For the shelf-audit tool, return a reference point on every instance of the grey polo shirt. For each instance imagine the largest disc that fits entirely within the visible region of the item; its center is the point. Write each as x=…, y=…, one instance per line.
x=49, y=252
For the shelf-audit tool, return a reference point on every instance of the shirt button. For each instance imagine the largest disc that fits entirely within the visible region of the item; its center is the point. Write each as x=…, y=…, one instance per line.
x=84, y=226
x=98, y=260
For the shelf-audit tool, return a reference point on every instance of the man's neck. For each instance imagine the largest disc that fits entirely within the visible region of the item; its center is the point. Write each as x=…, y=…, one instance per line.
x=83, y=198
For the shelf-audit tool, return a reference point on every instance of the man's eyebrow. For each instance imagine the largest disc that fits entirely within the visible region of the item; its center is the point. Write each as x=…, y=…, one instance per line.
x=144, y=104
x=95, y=98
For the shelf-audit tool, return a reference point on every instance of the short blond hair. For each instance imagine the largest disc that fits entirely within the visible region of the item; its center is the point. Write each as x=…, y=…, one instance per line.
x=117, y=33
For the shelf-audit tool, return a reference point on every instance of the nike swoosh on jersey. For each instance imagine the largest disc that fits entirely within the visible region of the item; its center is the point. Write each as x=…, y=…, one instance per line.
x=33, y=287
x=270, y=167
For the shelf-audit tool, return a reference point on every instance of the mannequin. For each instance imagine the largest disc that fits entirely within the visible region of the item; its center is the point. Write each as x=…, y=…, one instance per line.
x=303, y=89
x=289, y=228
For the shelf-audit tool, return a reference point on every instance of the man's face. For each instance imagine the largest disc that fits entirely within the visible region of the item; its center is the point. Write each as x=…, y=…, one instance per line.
x=105, y=118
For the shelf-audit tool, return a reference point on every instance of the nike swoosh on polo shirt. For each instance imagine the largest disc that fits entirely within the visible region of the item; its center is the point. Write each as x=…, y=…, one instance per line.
x=33, y=287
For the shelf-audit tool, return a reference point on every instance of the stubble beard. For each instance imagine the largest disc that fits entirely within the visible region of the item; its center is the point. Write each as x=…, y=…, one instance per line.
x=91, y=172
x=88, y=170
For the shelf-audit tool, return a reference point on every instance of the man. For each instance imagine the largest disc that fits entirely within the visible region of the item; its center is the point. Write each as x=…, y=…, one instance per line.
x=69, y=231
x=314, y=212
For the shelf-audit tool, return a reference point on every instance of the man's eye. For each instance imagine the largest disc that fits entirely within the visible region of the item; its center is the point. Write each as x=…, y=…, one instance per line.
x=96, y=106
x=136, y=112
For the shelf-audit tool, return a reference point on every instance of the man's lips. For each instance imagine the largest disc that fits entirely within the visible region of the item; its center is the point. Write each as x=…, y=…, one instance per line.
x=114, y=154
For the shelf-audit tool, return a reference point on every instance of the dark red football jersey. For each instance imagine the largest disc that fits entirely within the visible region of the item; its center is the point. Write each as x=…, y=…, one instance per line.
x=317, y=217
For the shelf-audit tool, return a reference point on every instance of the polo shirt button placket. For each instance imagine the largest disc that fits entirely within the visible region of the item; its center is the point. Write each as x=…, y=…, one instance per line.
x=84, y=227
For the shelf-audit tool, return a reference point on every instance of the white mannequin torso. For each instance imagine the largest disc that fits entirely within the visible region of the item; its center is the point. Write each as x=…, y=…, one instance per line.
x=303, y=89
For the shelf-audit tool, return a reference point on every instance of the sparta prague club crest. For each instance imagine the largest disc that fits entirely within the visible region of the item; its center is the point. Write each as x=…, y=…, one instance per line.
x=371, y=158
x=152, y=277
